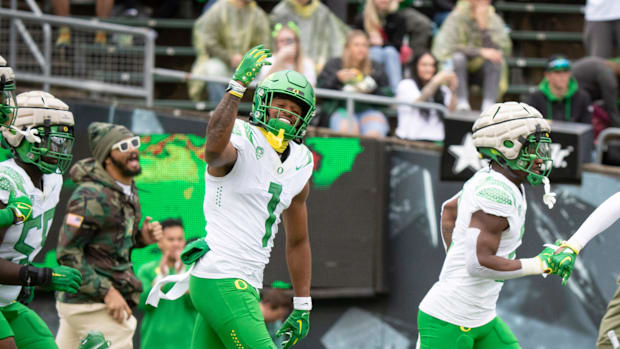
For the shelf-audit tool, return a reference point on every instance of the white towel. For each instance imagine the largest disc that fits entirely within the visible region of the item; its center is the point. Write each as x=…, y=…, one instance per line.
x=179, y=289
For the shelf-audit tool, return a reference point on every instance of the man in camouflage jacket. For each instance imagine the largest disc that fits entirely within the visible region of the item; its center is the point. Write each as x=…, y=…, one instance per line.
x=99, y=230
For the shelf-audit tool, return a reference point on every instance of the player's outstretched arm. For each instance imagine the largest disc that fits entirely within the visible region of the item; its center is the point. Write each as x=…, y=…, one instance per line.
x=219, y=152
x=299, y=261
x=449, y=211
x=598, y=221
x=483, y=238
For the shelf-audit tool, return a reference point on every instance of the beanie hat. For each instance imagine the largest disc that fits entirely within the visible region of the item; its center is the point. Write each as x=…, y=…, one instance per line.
x=102, y=136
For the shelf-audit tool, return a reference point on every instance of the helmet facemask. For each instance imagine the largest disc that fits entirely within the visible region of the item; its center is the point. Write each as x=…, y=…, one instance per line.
x=537, y=147
x=51, y=152
x=274, y=124
x=287, y=85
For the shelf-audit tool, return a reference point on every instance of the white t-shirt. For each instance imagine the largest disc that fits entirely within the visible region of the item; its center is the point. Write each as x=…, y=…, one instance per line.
x=459, y=298
x=411, y=123
x=309, y=71
x=23, y=241
x=602, y=10
x=243, y=208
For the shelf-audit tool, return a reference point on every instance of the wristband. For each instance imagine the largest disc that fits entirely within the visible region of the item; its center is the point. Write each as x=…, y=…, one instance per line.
x=33, y=276
x=235, y=88
x=302, y=303
x=572, y=244
x=532, y=266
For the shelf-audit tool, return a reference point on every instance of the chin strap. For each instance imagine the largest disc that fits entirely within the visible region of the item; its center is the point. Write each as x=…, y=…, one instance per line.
x=549, y=197
x=30, y=134
x=278, y=143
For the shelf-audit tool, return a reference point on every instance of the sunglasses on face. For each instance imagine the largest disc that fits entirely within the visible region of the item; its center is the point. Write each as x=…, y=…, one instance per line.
x=127, y=144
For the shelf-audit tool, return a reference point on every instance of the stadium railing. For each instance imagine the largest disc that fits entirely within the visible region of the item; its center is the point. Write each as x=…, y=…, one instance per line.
x=602, y=142
x=349, y=97
x=124, y=67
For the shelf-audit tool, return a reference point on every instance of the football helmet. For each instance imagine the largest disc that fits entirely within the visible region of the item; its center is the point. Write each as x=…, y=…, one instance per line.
x=94, y=340
x=41, y=132
x=286, y=84
x=515, y=135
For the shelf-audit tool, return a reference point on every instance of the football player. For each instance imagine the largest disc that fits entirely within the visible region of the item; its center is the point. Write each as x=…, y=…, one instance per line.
x=257, y=172
x=482, y=227
x=40, y=139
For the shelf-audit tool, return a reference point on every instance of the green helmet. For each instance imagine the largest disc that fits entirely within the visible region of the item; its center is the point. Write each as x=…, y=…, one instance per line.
x=286, y=84
x=41, y=133
x=515, y=135
x=94, y=340
x=8, y=105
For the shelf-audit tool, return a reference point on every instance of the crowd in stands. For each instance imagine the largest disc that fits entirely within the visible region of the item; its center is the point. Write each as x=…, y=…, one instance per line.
x=392, y=49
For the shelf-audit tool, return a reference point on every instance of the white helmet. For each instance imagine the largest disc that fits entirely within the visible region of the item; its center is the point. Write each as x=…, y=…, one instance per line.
x=46, y=124
x=514, y=135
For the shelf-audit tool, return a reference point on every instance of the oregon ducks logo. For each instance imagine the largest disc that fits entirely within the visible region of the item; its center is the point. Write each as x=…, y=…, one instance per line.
x=465, y=329
x=240, y=284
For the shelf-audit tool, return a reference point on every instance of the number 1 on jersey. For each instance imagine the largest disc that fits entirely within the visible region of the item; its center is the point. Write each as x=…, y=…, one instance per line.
x=275, y=190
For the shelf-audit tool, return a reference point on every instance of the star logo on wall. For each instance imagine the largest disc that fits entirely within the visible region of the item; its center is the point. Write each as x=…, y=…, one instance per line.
x=466, y=155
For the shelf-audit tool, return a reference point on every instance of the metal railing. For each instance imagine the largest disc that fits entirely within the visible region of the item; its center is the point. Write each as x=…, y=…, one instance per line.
x=601, y=143
x=122, y=65
x=349, y=97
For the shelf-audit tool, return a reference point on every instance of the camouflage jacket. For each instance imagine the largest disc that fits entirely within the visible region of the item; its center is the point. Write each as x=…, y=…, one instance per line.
x=98, y=232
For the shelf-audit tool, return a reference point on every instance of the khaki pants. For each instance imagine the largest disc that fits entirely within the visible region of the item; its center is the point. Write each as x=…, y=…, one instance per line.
x=77, y=319
x=610, y=321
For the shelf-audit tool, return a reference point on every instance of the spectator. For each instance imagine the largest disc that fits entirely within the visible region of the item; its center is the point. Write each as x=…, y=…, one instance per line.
x=558, y=96
x=596, y=76
x=275, y=305
x=62, y=8
x=356, y=72
x=602, y=28
x=97, y=235
x=474, y=40
x=288, y=54
x=322, y=33
x=221, y=36
x=157, y=331
x=426, y=85
x=386, y=28
x=419, y=27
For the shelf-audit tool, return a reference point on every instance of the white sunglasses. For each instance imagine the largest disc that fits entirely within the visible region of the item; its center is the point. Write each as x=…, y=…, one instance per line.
x=127, y=144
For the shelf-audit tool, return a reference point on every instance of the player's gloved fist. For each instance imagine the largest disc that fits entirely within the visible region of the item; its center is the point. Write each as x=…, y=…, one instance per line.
x=251, y=64
x=544, y=256
x=65, y=279
x=193, y=251
x=21, y=207
x=295, y=328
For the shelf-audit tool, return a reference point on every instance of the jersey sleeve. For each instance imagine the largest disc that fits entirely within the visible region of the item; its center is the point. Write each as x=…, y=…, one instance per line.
x=495, y=197
x=243, y=139
x=7, y=189
x=11, y=184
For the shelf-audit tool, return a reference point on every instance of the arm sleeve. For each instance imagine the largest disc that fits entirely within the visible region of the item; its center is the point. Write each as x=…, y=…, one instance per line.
x=599, y=220
x=84, y=217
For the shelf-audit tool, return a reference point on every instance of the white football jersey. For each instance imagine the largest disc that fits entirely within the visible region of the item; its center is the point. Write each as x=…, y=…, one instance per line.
x=458, y=297
x=23, y=241
x=242, y=209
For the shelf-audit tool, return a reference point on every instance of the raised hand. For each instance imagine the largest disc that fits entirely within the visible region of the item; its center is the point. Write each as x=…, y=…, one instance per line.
x=295, y=328
x=251, y=64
